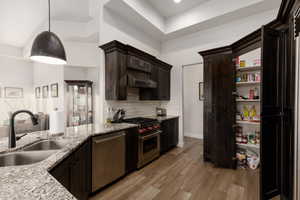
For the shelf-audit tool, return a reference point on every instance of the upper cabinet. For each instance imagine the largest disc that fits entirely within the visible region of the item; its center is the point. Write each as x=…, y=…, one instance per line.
x=128, y=67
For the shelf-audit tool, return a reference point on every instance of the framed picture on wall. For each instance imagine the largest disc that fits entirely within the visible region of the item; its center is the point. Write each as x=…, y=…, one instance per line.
x=45, y=91
x=54, y=90
x=38, y=92
x=13, y=92
x=201, y=91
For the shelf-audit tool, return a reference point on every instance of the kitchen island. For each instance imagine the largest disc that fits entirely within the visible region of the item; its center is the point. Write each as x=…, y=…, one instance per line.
x=31, y=182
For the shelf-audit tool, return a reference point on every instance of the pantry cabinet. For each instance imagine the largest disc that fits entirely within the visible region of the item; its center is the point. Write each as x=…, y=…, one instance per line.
x=256, y=96
x=219, y=142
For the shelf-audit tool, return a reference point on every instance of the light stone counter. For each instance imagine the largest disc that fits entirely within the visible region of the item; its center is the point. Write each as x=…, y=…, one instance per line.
x=31, y=182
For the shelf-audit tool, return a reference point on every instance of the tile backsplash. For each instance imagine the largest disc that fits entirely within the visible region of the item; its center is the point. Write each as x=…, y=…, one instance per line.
x=134, y=107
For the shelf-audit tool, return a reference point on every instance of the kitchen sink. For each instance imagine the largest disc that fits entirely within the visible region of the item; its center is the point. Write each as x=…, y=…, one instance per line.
x=45, y=145
x=24, y=158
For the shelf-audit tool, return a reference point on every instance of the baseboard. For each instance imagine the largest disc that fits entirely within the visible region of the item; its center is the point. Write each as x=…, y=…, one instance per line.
x=180, y=144
x=194, y=135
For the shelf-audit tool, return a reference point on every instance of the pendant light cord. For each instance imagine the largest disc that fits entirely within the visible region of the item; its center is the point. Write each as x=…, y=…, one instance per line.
x=49, y=14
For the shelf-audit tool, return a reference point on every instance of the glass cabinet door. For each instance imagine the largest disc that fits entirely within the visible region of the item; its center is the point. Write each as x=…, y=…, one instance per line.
x=80, y=104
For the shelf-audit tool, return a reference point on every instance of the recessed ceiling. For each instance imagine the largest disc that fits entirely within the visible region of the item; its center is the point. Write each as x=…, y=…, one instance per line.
x=20, y=19
x=187, y=17
x=167, y=8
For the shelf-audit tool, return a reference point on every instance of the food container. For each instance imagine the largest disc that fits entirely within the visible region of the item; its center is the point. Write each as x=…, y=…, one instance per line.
x=242, y=63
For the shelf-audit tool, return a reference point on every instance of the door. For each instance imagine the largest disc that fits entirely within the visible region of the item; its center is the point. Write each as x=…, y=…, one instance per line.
x=224, y=110
x=209, y=116
x=80, y=172
x=62, y=173
x=272, y=115
x=192, y=104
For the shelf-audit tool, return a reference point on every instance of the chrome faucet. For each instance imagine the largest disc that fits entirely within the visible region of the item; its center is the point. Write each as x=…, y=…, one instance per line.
x=12, y=134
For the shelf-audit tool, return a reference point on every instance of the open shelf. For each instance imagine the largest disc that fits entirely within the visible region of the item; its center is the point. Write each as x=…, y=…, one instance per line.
x=248, y=83
x=256, y=146
x=250, y=68
x=248, y=100
x=247, y=122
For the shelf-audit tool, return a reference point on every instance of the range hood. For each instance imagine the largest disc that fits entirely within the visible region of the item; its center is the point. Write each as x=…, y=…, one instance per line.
x=140, y=82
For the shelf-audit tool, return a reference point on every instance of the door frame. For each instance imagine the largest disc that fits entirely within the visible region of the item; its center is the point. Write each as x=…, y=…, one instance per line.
x=182, y=96
x=297, y=127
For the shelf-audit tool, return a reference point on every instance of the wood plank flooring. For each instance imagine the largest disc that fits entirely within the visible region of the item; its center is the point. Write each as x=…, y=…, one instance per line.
x=181, y=174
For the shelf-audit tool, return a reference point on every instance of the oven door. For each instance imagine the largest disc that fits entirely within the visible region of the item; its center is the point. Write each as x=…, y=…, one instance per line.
x=149, y=148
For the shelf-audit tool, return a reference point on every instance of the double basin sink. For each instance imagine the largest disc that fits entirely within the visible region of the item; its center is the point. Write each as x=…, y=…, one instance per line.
x=31, y=154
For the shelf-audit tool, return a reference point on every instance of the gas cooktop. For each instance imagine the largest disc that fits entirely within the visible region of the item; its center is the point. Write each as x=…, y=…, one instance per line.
x=146, y=125
x=140, y=120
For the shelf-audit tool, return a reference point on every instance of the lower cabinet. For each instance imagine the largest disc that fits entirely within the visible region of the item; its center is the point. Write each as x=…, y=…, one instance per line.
x=74, y=173
x=169, y=135
x=132, y=140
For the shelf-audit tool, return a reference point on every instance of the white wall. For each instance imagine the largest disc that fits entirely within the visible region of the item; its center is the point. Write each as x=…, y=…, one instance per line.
x=193, y=107
x=15, y=73
x=113, y=27
x=46, y=75
x=183, y=51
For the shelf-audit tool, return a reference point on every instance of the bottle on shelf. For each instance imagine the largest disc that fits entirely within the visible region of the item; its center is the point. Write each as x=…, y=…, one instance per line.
x=242, y=63
x=251, y=94
x=252, y=113
x=256, y=93
x=245, y=113
x=238, y=77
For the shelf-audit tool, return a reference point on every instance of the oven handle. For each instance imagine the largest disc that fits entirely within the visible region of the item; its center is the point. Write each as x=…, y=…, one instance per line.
x=151, y=136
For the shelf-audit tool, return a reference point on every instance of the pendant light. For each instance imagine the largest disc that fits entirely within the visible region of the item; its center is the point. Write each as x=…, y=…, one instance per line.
x=48, y=48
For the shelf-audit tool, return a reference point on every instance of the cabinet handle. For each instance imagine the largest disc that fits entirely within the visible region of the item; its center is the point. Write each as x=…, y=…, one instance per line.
x=108, y=139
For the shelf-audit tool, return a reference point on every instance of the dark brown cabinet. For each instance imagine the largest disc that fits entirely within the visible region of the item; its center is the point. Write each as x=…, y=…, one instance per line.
x=131, y=149
x=74, y=173
x=219, y=137
x=169, y=135
x=164, y=87
x=162, y=75
x=276, y=41
x=126, y=66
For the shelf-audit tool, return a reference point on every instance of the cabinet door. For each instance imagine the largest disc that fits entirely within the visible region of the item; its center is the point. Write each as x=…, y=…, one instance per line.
x=131, y=149
x=164, y=78
x=272, y=114
x=173, y=132
x=80, y=173
x=169, y=135
x=164, y=140
x=219, y=135
x=208, y=118
x=62, y=173
x=176, y=132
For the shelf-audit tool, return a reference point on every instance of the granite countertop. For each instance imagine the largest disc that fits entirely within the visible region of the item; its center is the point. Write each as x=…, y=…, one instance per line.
x=31, y=182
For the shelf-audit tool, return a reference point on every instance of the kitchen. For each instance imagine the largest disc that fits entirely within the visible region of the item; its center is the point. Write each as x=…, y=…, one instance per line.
x=97, y=101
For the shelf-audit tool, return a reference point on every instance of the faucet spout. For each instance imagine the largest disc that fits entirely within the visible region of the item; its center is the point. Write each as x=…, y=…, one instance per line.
x=12, y=134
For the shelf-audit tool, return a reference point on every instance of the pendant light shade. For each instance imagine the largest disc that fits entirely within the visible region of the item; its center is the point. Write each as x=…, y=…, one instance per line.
x=47, y=48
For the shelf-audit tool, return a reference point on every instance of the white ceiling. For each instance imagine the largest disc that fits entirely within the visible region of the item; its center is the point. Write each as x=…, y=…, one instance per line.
x=187, y=17
x=167, y=8
x=19, y=20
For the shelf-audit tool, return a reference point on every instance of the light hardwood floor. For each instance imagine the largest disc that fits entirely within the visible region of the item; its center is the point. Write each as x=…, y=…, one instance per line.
x=181, y=174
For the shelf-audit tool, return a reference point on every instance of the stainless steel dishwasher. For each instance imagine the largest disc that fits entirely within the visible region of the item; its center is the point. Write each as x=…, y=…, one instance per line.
x=108, y=159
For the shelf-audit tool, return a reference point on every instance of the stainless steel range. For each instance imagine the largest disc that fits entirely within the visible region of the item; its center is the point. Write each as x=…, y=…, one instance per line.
x=149, y=139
